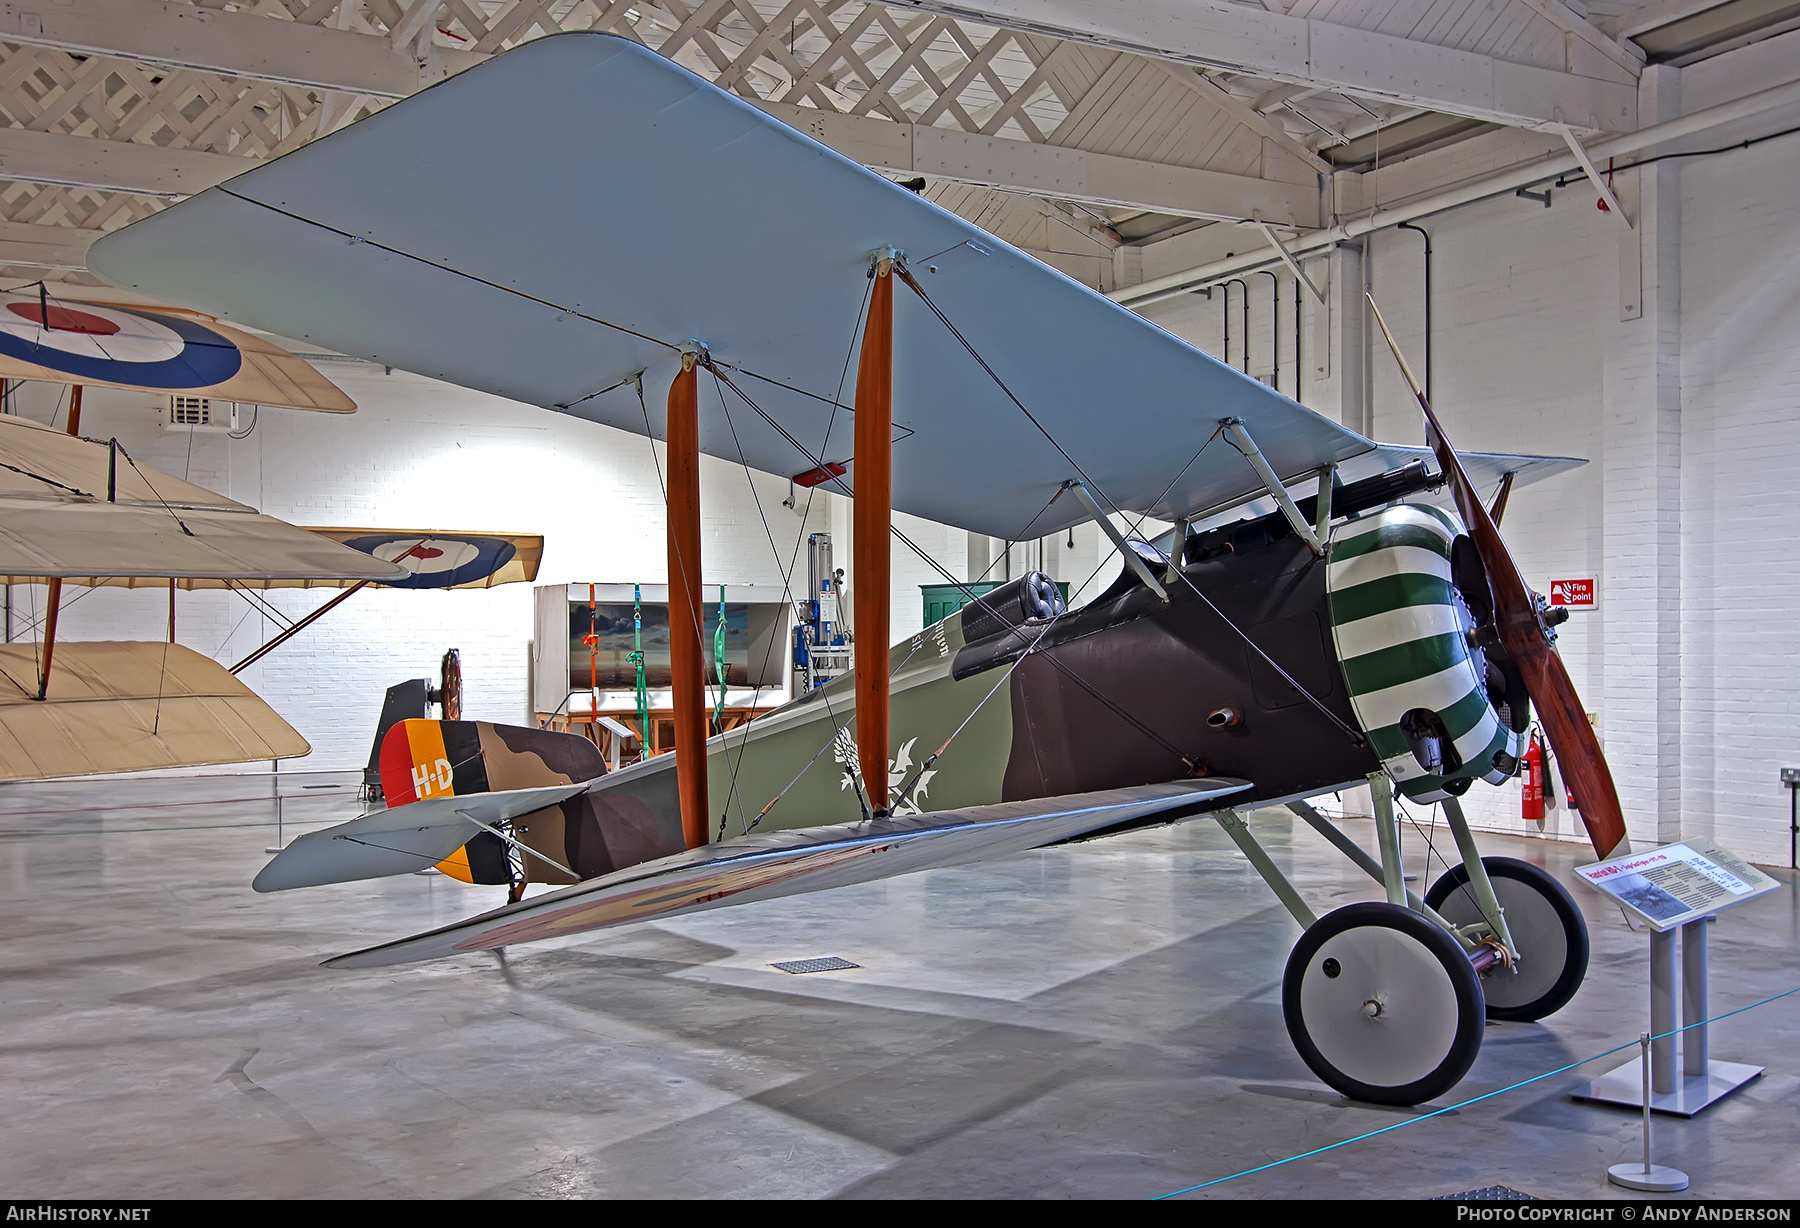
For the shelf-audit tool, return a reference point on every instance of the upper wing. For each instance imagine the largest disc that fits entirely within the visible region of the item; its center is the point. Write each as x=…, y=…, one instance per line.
x=399, y=840
x=435, y=559
x=793, y=862
x=124, y=707
x=549, y=223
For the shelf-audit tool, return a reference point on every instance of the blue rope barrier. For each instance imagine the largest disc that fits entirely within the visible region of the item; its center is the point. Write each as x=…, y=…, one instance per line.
x=1413, y=1121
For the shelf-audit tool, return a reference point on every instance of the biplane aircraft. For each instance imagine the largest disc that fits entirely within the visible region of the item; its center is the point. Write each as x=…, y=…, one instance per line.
x=580, y=224
x=83, y=512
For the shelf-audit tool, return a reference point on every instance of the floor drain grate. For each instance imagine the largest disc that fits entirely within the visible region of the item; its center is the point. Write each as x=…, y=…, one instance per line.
x=1487, y=1193
x=830, y=963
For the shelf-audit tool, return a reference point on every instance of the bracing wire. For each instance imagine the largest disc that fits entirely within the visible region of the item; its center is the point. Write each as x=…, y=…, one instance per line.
x=1355, y=735
x=35, y=621
x=38, y=477
x=786, y=582
x=732, y=792
x=793, y=565
x=980, y=599
x=913, y=282
x=261, y=605
x=698, y=612
x=152, y=486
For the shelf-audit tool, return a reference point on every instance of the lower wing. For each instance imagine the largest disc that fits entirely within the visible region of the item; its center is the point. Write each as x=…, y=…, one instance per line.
x=766, y=867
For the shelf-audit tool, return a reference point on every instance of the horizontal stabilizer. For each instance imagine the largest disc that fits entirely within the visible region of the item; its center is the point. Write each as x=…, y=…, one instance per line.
x=766, y=867
x=398, y=841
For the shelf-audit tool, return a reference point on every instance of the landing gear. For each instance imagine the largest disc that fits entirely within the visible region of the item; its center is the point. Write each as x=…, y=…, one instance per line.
x=1383, y=1004
x=1551, y=935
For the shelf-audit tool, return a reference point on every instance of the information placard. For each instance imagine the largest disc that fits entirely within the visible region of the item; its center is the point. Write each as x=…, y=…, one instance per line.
x=1677, y=883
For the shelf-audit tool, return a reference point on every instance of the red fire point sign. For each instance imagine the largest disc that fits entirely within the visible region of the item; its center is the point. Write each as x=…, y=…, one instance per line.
x=1574, y=593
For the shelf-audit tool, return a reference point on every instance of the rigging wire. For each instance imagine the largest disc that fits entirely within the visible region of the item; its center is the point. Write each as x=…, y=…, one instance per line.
x=980, y=599
x=49, y=481
x=913, y=282
x=756, y=495
x=35, y=621
x=358, y=240
x=794, y=558
x=698, y=612
x=151, y=485
x=250, y=609
x=1356, y=737
x=720, y=378
x=261, y=605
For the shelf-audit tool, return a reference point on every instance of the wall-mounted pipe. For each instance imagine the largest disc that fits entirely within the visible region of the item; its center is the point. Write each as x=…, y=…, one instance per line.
x=1225, y=322
x=1241, y=284
x=1299, y=333
x=1274, y=329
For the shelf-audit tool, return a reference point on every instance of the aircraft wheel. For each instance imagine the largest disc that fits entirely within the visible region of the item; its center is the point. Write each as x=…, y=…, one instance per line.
x=1383, y=1004
x=1547, y=926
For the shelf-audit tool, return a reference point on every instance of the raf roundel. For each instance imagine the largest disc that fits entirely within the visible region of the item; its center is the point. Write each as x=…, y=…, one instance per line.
x=437, y=562
x=115, y=345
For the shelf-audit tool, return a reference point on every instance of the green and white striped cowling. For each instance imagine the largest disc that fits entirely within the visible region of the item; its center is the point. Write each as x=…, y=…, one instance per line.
x=1401, y=633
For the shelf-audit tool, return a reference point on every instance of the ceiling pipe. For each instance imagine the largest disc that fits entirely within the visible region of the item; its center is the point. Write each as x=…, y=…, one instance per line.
x=1157, y=289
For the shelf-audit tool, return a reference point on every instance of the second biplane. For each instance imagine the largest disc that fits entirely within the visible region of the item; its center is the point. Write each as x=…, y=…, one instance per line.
x=579, y=222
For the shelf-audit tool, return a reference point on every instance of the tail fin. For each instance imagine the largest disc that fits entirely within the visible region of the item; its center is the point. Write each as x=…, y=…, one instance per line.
x=425, y=759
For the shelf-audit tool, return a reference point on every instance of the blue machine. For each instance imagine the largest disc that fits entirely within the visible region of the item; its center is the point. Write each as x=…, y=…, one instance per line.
x=821, y=650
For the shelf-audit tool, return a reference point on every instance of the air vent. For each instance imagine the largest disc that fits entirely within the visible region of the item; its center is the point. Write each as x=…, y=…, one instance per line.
x=200, y=414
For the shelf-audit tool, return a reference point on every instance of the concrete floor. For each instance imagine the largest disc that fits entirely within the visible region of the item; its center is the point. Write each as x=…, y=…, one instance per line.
x=1095, y=1021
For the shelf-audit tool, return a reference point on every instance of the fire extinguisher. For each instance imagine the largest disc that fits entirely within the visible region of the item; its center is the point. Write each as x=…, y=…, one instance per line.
x=1531, y=798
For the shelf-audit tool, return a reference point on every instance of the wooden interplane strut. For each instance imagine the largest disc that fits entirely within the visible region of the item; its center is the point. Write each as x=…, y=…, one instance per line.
x=287, y=634
x=873, y=549
x=686, y=659
x=55, y=594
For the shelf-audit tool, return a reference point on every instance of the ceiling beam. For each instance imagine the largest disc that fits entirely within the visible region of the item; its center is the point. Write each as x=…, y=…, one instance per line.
x=1566, y=19
x=1245, y=114
x=234, y=44
x=1651, y=17
x=112, y=166
x=1236, y=38
x=1053, y=171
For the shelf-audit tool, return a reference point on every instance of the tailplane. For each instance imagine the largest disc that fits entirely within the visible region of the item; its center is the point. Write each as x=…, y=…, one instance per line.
x=422, y=760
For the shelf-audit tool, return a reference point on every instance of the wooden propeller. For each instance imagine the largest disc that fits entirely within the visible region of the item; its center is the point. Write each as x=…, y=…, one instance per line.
x=1524, y=635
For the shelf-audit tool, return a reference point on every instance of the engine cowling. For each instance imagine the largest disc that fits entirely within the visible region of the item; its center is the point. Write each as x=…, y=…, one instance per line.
x=1420, y=687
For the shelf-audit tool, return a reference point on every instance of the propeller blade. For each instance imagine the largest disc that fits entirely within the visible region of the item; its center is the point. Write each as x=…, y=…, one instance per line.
x=1523, y=636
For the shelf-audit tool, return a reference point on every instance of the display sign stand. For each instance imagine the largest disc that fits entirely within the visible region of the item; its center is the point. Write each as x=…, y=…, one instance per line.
x=1679, y=887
